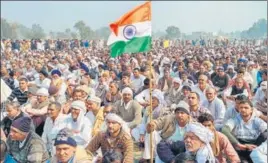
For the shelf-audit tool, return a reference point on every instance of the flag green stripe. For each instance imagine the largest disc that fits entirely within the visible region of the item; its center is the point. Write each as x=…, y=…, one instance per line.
x=135, y=45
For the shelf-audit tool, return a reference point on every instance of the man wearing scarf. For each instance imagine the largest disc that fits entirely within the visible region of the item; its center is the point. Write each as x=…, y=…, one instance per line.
x=94, y=113
x=197, y=142
x=130, y=111
x=159, y=110
x=116, y=137
x=79, y=124
x=174, y=94
x=220, y=145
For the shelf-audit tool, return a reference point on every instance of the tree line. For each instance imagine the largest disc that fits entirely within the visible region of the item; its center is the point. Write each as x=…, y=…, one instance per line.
x=83, y=31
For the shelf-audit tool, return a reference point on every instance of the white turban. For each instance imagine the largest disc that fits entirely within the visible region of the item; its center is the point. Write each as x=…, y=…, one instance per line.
x=79, y=105
x=177, y=80
x=159, y=96
x=116, y=118
x=127, y=90
x=204, y=134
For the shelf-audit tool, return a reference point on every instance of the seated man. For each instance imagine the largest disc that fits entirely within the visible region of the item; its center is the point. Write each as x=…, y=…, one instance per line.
x=221, y=146
x=24, y=144
x=233, y=111
x=67, y=149
x=13, y=113
x=117, y=136
x=246, y=131
x=95, y=113
x=197, y=143
x=215, y=106
x=130, y=111
x=172, y=129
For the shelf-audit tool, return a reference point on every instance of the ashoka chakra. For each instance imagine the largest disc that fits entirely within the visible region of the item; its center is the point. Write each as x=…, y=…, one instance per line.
x=129, y=32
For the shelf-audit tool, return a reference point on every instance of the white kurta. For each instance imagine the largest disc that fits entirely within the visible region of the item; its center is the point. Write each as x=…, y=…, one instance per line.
x=217, y=110
x=84, y=129
x=51, y=130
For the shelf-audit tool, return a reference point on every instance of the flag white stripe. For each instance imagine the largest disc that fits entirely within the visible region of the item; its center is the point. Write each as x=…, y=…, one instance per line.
x=142, y=29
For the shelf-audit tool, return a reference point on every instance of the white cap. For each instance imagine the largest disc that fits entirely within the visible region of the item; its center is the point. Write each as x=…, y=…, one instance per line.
x=42, y=92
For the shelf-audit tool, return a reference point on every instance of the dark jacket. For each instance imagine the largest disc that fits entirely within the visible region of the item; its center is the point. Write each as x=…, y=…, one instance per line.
x=33, y=150
x=6, y=123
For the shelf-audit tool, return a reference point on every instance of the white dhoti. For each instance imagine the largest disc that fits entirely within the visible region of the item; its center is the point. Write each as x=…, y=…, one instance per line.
x=135, y=133
x=156, y=140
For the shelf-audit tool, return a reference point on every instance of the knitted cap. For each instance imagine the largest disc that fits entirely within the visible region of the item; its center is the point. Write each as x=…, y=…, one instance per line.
x=23, y=124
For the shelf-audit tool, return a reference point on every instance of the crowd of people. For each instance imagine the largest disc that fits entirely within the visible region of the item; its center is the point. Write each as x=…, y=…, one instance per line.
x=67, y=101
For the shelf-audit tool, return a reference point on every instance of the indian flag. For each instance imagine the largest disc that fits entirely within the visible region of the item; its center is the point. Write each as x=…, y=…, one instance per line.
x=132, y=33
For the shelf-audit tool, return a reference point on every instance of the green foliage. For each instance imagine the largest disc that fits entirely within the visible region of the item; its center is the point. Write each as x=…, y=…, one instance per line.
x=173, y=32
x=257, y=30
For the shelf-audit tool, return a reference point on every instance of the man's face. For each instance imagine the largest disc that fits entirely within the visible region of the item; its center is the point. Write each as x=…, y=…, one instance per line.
x=210, y=94
x=23, y=85
x=127, y=97
x=52, y=111
x=192, y=99
x=176, y=85
x=182, y=117
x=91, y=105
x=185, y=92
x=75, y=113
x=180, y=68
x=11, y=112
x=125, y=79
x=113, y=88
x=192, y=142
x=136, y=73
x=245, y=110
x=41, y=76
x=209, y=125
x=190, y=66
x=112, y=126
x=237, y=102
x=239, y=83
x=78, y=95
x=155, y=102
x=202, y=80
x=106, y=110
x=41, y=99
x=64, y=152
x=16, y=134
x=166, y=74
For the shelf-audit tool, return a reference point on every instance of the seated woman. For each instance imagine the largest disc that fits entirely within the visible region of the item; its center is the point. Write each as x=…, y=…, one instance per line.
x=246, y=131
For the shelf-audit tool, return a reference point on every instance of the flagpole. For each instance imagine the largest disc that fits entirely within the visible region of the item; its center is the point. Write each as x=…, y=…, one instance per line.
x=151, y=109
x=151, y=101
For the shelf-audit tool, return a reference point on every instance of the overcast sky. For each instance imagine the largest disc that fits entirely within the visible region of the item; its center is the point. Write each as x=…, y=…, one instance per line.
x=188, y=16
